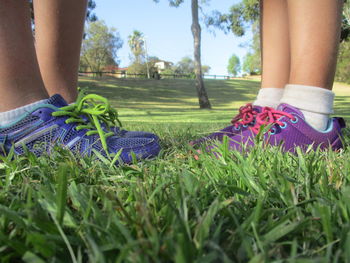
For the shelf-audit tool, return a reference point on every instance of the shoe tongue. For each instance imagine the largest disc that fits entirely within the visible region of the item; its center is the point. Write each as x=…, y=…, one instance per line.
x=290, y=109
x=57, y=101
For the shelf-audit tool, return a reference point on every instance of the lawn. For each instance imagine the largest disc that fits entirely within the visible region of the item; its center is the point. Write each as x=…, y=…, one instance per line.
x=168, y=102
x=261, y=206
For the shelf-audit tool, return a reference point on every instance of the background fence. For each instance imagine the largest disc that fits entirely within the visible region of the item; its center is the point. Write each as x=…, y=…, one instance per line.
x=153, y=76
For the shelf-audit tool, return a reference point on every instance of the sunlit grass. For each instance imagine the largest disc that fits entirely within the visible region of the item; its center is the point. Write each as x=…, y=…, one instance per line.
x=176, y=101
x=261, y=206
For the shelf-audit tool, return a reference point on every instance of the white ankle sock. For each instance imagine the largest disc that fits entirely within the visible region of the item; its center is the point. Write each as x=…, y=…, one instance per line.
x=315, y=103
x=269, y=97
x=8, y=117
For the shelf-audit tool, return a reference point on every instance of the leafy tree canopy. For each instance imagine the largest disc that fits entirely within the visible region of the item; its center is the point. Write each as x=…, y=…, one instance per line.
x=90, y=15
x=174, y=3
x=141, y=67
x=242, y=15
x=234, y=65
x=186, y=66
x=237, y=19
x=100, y=46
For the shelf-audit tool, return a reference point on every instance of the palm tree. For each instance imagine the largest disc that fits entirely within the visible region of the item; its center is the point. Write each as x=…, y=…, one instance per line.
x=136, y=43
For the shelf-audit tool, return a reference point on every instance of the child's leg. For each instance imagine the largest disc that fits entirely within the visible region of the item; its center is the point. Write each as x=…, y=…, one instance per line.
x=275, y=52
x=315, y=34
x=275, y=68
x=58, y=33
x=314, y=37
x=20, y=80
x=275, y=44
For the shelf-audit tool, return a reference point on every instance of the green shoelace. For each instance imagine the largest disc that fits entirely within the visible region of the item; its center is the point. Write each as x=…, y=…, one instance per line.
x=97, y=110
x=109, y=117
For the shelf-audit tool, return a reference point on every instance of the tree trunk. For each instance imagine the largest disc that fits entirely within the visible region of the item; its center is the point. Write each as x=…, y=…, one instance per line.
x=196, y=32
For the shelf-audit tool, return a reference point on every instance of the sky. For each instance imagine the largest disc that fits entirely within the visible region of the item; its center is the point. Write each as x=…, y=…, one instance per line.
x=167, y=31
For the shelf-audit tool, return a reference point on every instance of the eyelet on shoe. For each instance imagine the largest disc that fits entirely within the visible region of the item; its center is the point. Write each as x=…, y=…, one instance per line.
x=295, y=120
x=245, y=125
x=237, y=128
x=273, y=131
x=284, y=125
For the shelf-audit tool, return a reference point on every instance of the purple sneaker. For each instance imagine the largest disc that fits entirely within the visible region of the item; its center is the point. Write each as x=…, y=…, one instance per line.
x=289, y=129
x=244, y=119
x=56, y=123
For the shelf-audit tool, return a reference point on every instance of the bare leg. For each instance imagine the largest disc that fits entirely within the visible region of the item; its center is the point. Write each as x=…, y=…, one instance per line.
x=59, y=32
x=315, y=34
x=275, y=44
x=20, y=80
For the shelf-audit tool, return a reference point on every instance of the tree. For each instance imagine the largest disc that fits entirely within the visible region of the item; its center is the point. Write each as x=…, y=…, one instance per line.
x=234, y=65
x=100, y=46
x=246, y=15
x=238, y=19
x=137, y=46
x=142, y=68
x=90, y=16
x=196, y=32
x=252, y=60
x=343, y=67
x=137, y=69
x=185, y=66
x=206, y=69
x=345, y=32
x=251, y=64
x=203, y=99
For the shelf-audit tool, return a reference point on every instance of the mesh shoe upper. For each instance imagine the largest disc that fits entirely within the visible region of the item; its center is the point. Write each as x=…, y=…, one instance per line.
x=39, y=131
x=289, y=129
x=244, y=119
x=133, y=134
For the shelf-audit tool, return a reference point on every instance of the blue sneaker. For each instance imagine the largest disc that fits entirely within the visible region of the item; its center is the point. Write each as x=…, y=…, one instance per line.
x=56, y=123
x=133, y=134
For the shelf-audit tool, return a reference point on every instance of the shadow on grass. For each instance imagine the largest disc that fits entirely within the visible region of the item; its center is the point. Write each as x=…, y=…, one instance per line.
x=169, y=95
x=342, y=107
x=176, y=99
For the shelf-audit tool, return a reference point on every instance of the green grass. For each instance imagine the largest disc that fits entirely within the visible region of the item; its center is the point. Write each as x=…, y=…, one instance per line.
x=261, y=206
x=168, y=101
x=165, y=101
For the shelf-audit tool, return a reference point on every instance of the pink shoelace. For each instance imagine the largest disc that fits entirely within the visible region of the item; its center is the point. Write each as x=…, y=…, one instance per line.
x=245, y=116
x=270, y=116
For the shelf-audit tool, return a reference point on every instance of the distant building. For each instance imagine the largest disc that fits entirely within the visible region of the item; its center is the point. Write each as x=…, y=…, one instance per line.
x=111, y=68
x=163, y=65
x=116, y=71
